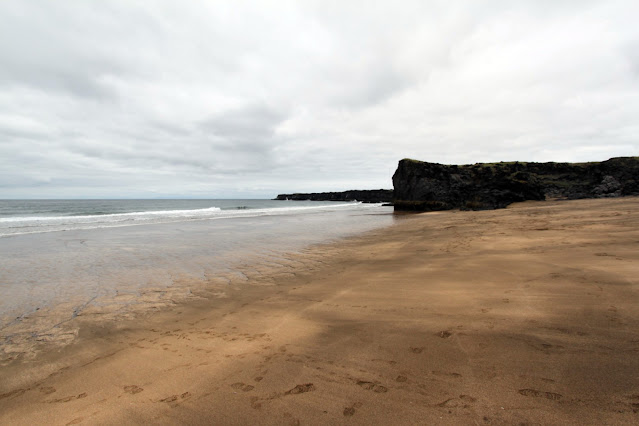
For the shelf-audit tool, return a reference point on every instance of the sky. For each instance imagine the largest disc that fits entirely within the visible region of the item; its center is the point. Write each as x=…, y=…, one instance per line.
x=234, y=99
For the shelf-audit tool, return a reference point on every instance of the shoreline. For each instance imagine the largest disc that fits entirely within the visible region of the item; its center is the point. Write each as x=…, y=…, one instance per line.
x=527, y=314
x=51, y=279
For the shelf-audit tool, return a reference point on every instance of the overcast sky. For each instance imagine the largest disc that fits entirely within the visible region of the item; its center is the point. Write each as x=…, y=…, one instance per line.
x=213, y=99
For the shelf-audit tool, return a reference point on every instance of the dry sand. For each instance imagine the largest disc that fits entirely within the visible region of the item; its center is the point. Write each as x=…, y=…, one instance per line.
x=520, y=316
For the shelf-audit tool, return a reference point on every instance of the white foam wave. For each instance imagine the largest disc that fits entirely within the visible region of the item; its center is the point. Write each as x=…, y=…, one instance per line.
x=30, y=224
x=110, y=216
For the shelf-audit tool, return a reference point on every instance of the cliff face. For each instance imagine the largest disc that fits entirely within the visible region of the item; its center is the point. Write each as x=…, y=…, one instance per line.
x=429, y=186
x=365, y=196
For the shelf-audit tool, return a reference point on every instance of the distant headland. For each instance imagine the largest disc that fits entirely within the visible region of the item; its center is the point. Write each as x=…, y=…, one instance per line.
x=364, y=196
x=421, y=186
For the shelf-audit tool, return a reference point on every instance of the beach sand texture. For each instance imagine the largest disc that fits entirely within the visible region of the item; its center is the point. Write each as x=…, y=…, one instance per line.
x=526, y=315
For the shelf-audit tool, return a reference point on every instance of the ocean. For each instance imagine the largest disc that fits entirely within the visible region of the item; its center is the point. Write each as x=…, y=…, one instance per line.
x=64, y=259
x=36, y=216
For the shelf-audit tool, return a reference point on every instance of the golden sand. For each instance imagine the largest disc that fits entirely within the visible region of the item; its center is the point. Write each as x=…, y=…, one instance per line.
x=519, y=316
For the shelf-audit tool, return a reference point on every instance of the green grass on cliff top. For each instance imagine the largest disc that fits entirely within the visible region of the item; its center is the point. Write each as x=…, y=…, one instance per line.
x=411, y=160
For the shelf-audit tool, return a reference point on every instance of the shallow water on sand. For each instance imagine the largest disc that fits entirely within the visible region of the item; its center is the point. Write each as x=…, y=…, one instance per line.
x=47, y=279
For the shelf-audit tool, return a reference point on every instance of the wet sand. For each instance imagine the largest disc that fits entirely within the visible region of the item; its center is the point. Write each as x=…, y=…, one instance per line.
x=525, y=315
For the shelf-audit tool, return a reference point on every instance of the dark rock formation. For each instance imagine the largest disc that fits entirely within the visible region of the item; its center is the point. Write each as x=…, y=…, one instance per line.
x=365, y=196
x=429, y=186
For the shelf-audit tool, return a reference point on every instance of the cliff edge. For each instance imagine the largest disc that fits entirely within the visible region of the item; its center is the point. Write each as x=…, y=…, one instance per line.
x=422, y=186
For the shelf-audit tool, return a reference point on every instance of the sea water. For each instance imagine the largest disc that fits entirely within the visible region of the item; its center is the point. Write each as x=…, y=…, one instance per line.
x=61, y=258
x=36, y=216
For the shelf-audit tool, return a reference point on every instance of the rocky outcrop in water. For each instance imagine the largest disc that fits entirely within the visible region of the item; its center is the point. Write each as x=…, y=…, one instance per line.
x=365, y=196
x=424, y=186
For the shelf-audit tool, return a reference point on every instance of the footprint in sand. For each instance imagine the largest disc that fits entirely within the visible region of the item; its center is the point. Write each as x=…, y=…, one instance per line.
x=255, y=403
x=69, y=398
x=372, y=386
x=307, y=387
x=401, y=378
x=540, y=394
x=13, y=393
x=444, y=334
x=242, y=386
x=463, y=400
x=350, y=411
x=173, y=398
x=133, y=389
x=446, y=374
x=416, y=350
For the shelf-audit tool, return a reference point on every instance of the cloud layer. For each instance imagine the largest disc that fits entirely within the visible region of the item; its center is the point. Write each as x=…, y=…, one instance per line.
x=206, y=99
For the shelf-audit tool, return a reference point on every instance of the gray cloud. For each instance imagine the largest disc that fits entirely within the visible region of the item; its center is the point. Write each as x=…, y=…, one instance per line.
x=121, y=98
x=250, y=123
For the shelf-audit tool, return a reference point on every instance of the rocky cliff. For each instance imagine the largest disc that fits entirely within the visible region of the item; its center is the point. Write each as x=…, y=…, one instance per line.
x=365, y=196
x=424, y=186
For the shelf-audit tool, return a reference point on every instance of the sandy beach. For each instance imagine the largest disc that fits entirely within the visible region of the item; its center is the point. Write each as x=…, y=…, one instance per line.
x=527, y=315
